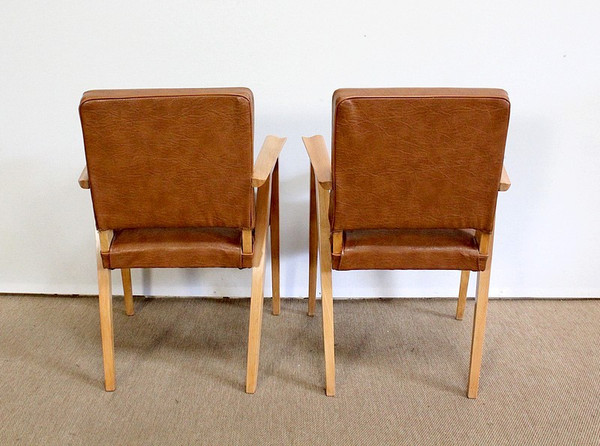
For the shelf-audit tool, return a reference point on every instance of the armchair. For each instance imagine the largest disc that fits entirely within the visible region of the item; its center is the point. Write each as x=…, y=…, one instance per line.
x=413, y=184
x=172, y=181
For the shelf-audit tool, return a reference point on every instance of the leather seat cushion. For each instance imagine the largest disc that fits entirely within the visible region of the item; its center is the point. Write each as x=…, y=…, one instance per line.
x=176, y=248
x=453, y=249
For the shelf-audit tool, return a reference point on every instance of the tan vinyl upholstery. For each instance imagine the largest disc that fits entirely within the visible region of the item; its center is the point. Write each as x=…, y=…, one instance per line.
x=171, y=172
x=415, y=162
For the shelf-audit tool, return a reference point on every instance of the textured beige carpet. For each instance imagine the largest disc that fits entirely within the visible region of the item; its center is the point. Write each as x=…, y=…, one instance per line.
x=401, y=374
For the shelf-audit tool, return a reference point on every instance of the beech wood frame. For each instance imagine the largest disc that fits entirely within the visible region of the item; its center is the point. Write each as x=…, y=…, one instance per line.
x=265, y=178
x=320, y=234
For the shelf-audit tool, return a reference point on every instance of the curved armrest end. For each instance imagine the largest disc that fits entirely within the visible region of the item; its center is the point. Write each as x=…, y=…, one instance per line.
x=504, y=181
x=267, y=157
x=84, y=181
x=319, y=159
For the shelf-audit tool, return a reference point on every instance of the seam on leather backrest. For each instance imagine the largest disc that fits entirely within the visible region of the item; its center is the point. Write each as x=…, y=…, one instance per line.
x=169, y=96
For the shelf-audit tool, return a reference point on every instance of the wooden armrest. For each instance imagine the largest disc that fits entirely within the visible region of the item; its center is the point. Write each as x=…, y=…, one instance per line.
x=261, y=226
x=319, y=158
x=504, y=181
x=84, y=181
x=266, y=159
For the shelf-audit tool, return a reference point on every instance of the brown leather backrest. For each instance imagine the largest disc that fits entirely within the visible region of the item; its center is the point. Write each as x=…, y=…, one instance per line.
x=170, y=158
x=417, y=158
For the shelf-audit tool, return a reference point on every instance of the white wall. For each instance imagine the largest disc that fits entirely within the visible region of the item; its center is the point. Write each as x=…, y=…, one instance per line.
x=293, y=55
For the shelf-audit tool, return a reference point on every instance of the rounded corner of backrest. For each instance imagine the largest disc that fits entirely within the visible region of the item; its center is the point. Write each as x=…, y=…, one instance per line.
x=336, y=96
x=341, y=96
x=247, y=93
x=84, y=101
x=243, y=95
x=500, y=96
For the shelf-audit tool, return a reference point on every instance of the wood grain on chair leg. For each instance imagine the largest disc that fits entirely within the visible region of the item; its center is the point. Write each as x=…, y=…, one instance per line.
x=127, y=291
x=258, y=277
x=274, y=218
x=313, y=247
x=483, y=287
x=256, y=312
x=106, y=313
x=462, y=294
x=326, y=290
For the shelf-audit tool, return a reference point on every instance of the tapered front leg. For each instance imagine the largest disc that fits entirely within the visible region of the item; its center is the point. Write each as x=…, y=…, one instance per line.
x=258, y=277
x=255, y=328
x=106, y=320
x=479, y=319
x=313, y=247
x=462, y=294
x=326, y=291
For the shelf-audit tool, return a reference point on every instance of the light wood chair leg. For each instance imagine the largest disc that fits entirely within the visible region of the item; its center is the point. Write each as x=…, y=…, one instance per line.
x=481, y=304
x=254, y=332
x=462, y=295
x=258, y=277
x=106, y=324
x=127, y=291
x=326, y=291
x=313, y=247
x=274, y=218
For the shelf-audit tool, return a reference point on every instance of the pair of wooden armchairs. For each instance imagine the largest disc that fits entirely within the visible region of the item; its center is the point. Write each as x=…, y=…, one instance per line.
x=413, y=185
